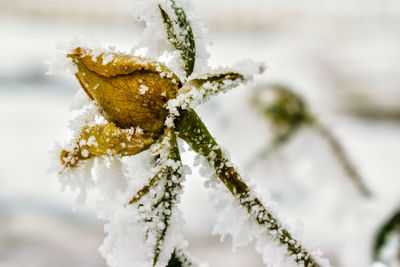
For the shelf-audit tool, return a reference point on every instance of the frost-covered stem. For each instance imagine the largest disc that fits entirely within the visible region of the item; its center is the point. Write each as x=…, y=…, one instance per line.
x=342, y=157
x=191, y=129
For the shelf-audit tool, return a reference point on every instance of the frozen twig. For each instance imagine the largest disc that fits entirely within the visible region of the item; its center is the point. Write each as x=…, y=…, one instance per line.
x=194, y=132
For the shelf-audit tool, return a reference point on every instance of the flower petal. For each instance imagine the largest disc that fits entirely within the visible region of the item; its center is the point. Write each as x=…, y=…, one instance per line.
x=102, y=140
x=131, y=91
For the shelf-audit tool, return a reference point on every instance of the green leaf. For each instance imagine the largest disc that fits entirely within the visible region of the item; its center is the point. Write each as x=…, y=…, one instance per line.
x=179, y=259
x=180, y=34
x=168, y=179
x=390, y=229
x=201, y=89
x=169, y=198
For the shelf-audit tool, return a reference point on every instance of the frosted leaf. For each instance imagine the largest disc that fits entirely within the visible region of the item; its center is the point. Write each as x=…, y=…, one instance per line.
x=202, y=87
x=155, y=38
x=199, y=88
x=157, y=200
x=183, y=259
x=103, y=139
x=386, y=247
x=180, y=34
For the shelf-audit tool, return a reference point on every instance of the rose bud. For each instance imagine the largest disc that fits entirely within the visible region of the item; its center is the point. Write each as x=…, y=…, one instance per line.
x=131, y=93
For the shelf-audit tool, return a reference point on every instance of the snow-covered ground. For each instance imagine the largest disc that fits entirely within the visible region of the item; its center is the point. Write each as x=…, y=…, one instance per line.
x=37, y=225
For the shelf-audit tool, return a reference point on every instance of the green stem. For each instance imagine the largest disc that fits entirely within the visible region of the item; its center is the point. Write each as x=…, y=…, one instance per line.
x=191, y=129
x=342, y=157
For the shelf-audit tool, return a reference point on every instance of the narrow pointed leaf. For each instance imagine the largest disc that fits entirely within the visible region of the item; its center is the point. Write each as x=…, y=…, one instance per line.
x=390, y=229
x=180, y=35
x=179, y=259
x=199, y=90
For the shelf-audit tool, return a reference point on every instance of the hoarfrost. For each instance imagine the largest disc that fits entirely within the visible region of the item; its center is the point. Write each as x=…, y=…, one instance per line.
x=61, y=63
x=237, y=219
x=155, y=38
x=131, y=237
x=80, y=101
x=249, y=67
x=143, y=89
x=233, y=219
x=111, y=176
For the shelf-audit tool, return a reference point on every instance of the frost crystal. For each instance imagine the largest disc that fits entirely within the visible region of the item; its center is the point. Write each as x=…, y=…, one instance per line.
x=155, y=38
x=61, y=63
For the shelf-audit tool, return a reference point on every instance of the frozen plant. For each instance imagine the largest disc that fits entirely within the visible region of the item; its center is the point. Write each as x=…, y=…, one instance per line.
x=386, y=248
x=139, y=104
x=288, y=112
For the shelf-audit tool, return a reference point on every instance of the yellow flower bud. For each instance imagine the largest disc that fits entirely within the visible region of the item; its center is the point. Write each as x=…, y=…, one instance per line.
x=106, y=139
x=130, y=91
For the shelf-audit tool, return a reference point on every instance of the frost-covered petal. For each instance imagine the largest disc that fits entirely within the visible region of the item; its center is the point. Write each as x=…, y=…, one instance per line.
x=130, y=91
x=108, y=139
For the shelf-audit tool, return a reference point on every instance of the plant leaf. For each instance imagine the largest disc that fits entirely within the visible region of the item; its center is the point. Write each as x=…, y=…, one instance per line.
x=390, y=228
x=180, y=34
x=108, y=139
x=179, y=259
x=201, y=89
x=167, y=185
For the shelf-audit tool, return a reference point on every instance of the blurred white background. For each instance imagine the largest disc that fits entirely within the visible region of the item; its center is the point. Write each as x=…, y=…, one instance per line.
x=342, y=56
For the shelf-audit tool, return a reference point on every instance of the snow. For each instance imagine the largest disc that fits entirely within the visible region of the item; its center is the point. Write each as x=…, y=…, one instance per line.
x=61, y=63
x=143, y=89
